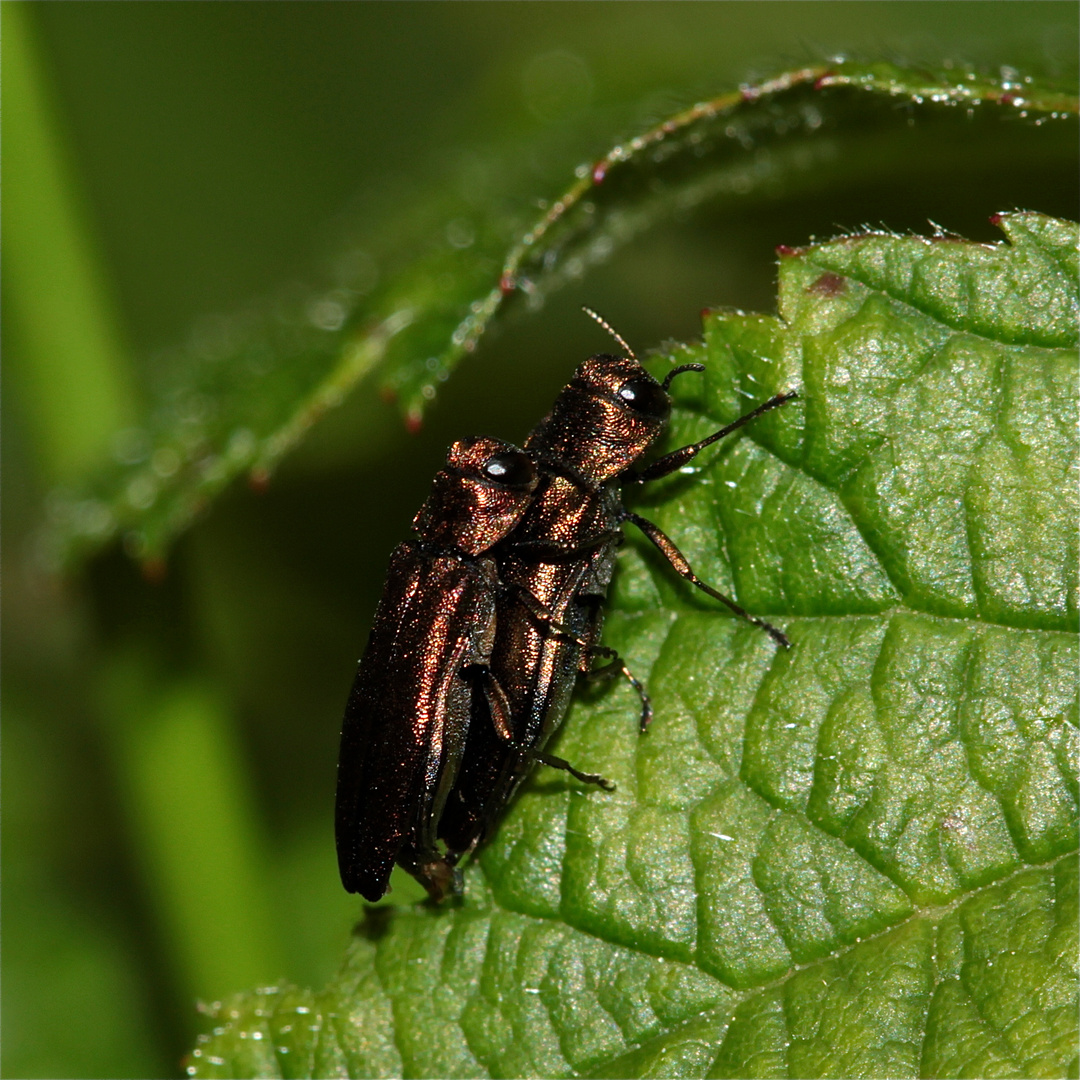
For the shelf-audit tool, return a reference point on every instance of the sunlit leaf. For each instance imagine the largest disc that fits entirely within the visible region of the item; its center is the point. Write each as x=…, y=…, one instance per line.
x=853, y=858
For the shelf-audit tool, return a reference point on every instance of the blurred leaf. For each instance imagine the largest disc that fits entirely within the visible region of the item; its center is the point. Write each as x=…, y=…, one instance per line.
x=853, y=858
x=247, y=389
x=75, y=378
x=67, y=969
x=196, y=830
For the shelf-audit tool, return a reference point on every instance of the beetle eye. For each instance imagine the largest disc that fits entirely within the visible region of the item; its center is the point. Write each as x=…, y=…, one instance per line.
x=647, y=397
x=509, y=470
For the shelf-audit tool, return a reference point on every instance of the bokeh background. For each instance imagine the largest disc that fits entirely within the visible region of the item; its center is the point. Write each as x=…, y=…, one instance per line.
x=169, y=748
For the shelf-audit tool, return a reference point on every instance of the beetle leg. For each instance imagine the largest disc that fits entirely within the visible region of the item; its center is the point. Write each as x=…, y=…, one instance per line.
x=669, y=463
x=498, y=705
x=562, y=763
x=679, y=564
x=605, y=671
x=440, y=877
x=556, y=550
x=543, y=615
x=616, y=666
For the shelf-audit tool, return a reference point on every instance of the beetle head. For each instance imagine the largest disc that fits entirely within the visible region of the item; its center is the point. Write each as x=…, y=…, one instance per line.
x=606, y=417
x=478, y=496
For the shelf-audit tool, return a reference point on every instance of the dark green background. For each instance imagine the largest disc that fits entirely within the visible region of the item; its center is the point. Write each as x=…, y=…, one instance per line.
x=218, y=150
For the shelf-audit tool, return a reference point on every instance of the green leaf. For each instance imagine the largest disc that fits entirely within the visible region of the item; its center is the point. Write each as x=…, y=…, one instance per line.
x=75, y=382
x=404, y=309
x=853, y=858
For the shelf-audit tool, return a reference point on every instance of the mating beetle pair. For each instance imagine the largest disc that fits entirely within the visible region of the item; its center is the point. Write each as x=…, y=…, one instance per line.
x=487, y=618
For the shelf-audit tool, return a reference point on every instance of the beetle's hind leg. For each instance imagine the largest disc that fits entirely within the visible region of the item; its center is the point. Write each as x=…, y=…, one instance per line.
x=562, y=763
x=617, y=666
x=435, y=872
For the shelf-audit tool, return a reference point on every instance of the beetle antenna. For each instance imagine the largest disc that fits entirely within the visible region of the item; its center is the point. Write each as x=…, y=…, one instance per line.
x=610, y=329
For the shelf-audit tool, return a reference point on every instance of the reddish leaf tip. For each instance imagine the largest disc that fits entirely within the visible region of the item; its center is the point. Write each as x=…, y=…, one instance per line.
x=154, y=570
x=259, y=480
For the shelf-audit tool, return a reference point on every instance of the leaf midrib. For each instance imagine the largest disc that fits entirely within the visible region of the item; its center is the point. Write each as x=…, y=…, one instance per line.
x=932, y=913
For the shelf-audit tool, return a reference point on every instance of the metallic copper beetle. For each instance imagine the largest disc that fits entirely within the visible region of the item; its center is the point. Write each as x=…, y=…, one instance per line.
x=487, y=619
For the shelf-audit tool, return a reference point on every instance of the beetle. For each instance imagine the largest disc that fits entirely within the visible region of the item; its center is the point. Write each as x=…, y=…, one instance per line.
x=427, y=658
x=555, y=568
